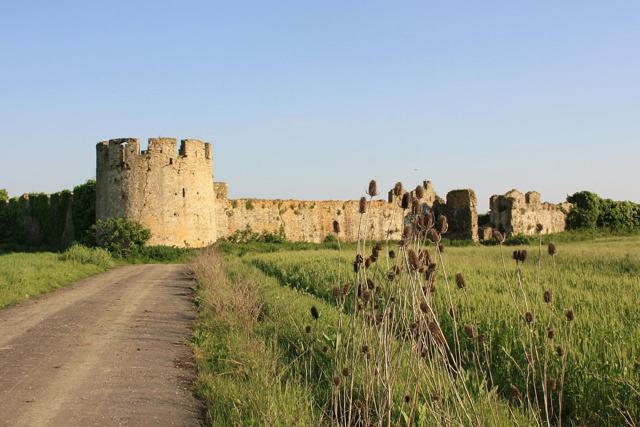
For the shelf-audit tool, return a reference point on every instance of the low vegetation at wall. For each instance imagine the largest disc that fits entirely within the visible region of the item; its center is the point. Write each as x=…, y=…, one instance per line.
x=420, y=332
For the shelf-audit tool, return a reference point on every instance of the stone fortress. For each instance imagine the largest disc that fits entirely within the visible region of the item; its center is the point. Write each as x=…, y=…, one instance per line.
x=171, y=192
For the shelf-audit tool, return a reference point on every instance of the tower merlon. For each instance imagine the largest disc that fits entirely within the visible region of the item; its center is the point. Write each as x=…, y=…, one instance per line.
x=195, y=148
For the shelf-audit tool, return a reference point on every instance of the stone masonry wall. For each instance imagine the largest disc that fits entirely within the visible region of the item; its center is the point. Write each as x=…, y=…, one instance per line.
x=171, y=192
x=310, y=221
x=462, y=214
x=517, y=213
x=167, y=190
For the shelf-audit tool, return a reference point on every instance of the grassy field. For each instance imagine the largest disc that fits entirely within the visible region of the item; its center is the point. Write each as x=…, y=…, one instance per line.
x=26, y=275
x=512, y=369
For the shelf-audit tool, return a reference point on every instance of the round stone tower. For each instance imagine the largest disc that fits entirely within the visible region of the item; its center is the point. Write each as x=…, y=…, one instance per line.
x=168, y=191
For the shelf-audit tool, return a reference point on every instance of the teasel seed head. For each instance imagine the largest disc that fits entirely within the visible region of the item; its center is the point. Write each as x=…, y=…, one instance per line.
x=424, y=256
x=346, y=371
x=415, y=206
x=357, y=263
x=392, y=254
x=460, y=281
x=539, y=227
x=314, y=313
x=433, y=236
x=336, y=381
x=528, y=317
x=336, y=291
x=429, y=221
x=424, y=307
x=362, y=207
x=407, y=398
x=413, y=259
x=498, y=236
x=336, y=227
x=570, y=315
x=419, y=192
x=406, y=201
x=515, y=393
x=397, y=189
x=470, y=331
x=441, y=248
x=370, y=284
x=559, y=351
x=548, y=297
x=307, y=329
x=368, y=262
x=407, y=232
x=520, y=255
x=345, y=289
x=551, y=249
x=443, y=224
x=365, y=349
x=550, y=333
x=373, y=188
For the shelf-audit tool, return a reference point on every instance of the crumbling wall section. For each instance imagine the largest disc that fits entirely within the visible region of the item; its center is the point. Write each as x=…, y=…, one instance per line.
x=462, y=214
x=309, y=221
x=518, y=213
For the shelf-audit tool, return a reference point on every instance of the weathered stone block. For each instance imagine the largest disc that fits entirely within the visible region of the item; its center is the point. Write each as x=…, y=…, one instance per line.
x=462, y=214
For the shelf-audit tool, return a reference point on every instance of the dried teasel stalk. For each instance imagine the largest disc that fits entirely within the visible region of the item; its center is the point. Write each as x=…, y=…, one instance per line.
x=397, y=189
x=362, y=206
x=414, y=262
x=373, y=188
x=406, y=201
x=433, y=236
x=443, y=224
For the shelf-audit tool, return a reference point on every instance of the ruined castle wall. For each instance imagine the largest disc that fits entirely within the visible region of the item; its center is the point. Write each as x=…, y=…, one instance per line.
x=310, y=221
x=167, y=190
x=462, y=214
x=517, y=213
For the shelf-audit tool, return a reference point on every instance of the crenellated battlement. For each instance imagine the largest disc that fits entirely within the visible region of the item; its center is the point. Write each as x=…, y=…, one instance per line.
x=122, y=151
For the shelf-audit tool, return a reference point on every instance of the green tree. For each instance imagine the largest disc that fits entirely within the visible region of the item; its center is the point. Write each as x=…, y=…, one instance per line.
x=84, y=208
x=585, y=211
x=4, y=196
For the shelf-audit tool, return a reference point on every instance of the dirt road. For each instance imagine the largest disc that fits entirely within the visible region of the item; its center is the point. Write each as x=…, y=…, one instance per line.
x=109, y=350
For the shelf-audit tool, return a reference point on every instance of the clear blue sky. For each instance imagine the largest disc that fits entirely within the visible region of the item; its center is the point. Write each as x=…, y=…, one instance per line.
x=312, y=99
